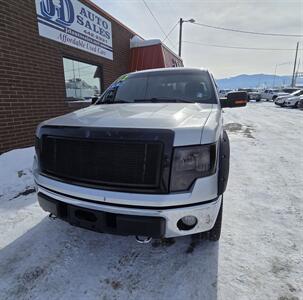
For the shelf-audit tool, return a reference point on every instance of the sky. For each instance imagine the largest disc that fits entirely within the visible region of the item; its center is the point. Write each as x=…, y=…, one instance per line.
x=261, y=16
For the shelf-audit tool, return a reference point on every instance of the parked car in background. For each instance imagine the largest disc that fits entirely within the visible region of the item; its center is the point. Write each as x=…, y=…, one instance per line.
x=295, y=97
x=293, y=101
x=253, y=94
x=223, y=93
x=271, y=94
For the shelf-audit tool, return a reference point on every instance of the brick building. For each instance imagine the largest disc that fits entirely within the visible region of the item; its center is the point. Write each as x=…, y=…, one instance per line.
x=40, y=77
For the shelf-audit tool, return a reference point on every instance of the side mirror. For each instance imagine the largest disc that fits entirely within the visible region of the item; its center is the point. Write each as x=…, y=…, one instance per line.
x=234, y=99
x=94, y=99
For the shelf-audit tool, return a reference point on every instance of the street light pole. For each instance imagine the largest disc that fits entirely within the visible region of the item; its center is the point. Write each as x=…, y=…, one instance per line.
x=274, y=81
x=180, y=36
x=180, y=32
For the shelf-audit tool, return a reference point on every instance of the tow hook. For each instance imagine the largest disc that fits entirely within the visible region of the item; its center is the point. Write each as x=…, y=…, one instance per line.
x=52, y=216
x=143, y=240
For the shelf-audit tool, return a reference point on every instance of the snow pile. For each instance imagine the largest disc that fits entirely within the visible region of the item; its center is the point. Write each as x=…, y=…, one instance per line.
x=16, y=173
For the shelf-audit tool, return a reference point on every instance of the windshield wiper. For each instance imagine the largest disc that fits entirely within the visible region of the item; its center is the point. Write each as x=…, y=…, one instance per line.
x=163, y=99
x=113, y=102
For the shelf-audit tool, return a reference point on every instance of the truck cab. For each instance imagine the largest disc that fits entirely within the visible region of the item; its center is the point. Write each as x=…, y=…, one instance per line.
x=149, y=158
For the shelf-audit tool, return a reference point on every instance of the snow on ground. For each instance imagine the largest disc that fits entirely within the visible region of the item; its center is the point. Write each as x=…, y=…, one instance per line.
x=16, y=173
x=259, y=256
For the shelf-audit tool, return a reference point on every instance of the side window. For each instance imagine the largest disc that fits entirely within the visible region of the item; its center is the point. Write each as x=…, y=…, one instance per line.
x=110, y=93
x=109, y=96
x=82, y=80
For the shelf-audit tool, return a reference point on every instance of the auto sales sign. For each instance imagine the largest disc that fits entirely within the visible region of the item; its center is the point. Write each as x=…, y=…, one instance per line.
x=72, y=23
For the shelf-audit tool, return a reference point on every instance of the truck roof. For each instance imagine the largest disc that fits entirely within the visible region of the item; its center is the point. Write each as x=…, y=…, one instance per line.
x=170, y=70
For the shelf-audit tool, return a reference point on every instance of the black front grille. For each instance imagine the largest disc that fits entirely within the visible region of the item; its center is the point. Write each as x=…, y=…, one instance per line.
x=103, y=162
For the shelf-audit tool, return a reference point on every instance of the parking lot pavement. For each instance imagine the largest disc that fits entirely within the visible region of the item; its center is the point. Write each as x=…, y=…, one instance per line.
x=259, y=255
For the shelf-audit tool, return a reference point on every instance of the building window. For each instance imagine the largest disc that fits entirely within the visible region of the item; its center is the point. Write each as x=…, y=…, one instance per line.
x=82, y=80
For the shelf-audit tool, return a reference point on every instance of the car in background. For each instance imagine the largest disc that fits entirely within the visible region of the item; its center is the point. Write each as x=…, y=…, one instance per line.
x=272, y=94
x=295, y=97
x=293, y=101
x=280, y=100
x=253, y=94
x=223, y=93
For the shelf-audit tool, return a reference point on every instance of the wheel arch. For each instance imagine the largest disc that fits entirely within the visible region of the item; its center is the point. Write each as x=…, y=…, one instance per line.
x=224, y=157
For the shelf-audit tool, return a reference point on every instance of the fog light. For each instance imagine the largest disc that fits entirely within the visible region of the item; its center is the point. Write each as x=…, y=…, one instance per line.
x=187, y=223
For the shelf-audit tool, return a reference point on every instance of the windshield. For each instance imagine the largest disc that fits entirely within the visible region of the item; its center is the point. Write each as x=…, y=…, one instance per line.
x=297, y=93
x=248, y=90
x=161, y=87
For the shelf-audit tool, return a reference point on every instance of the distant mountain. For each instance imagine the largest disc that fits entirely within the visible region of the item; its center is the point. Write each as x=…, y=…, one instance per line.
x=255, y=81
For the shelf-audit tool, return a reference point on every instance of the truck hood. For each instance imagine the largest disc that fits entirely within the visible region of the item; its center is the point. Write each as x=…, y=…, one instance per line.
x=293, y=98
x=186, y=119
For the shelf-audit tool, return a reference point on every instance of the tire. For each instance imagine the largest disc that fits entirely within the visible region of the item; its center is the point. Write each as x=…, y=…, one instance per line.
x=215, y=233
x=296, y=105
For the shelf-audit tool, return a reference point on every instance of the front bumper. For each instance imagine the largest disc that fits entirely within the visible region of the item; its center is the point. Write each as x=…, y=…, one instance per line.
x=289, y=104
x=201, y=201
x=128, y=220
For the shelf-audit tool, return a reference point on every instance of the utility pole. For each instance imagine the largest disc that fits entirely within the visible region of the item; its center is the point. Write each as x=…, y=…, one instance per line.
x=180, y=36
x=297, y=71
x=293, y=81
x=180, y=32
x=274, y=81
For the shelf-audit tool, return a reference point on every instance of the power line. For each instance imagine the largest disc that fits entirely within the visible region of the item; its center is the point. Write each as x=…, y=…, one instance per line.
x=248, y=32
x=241, y=48
x=166, y=37
x=156, y=20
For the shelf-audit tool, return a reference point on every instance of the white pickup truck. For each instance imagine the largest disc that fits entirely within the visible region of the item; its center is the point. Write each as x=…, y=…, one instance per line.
x=150, y=158
x=271, y=95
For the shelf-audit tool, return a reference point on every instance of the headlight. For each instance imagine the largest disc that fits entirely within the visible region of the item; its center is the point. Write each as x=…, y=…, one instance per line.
x=190, y=163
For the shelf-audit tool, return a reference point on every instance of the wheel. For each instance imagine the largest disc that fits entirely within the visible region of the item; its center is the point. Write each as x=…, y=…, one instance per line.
x=296, y=105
